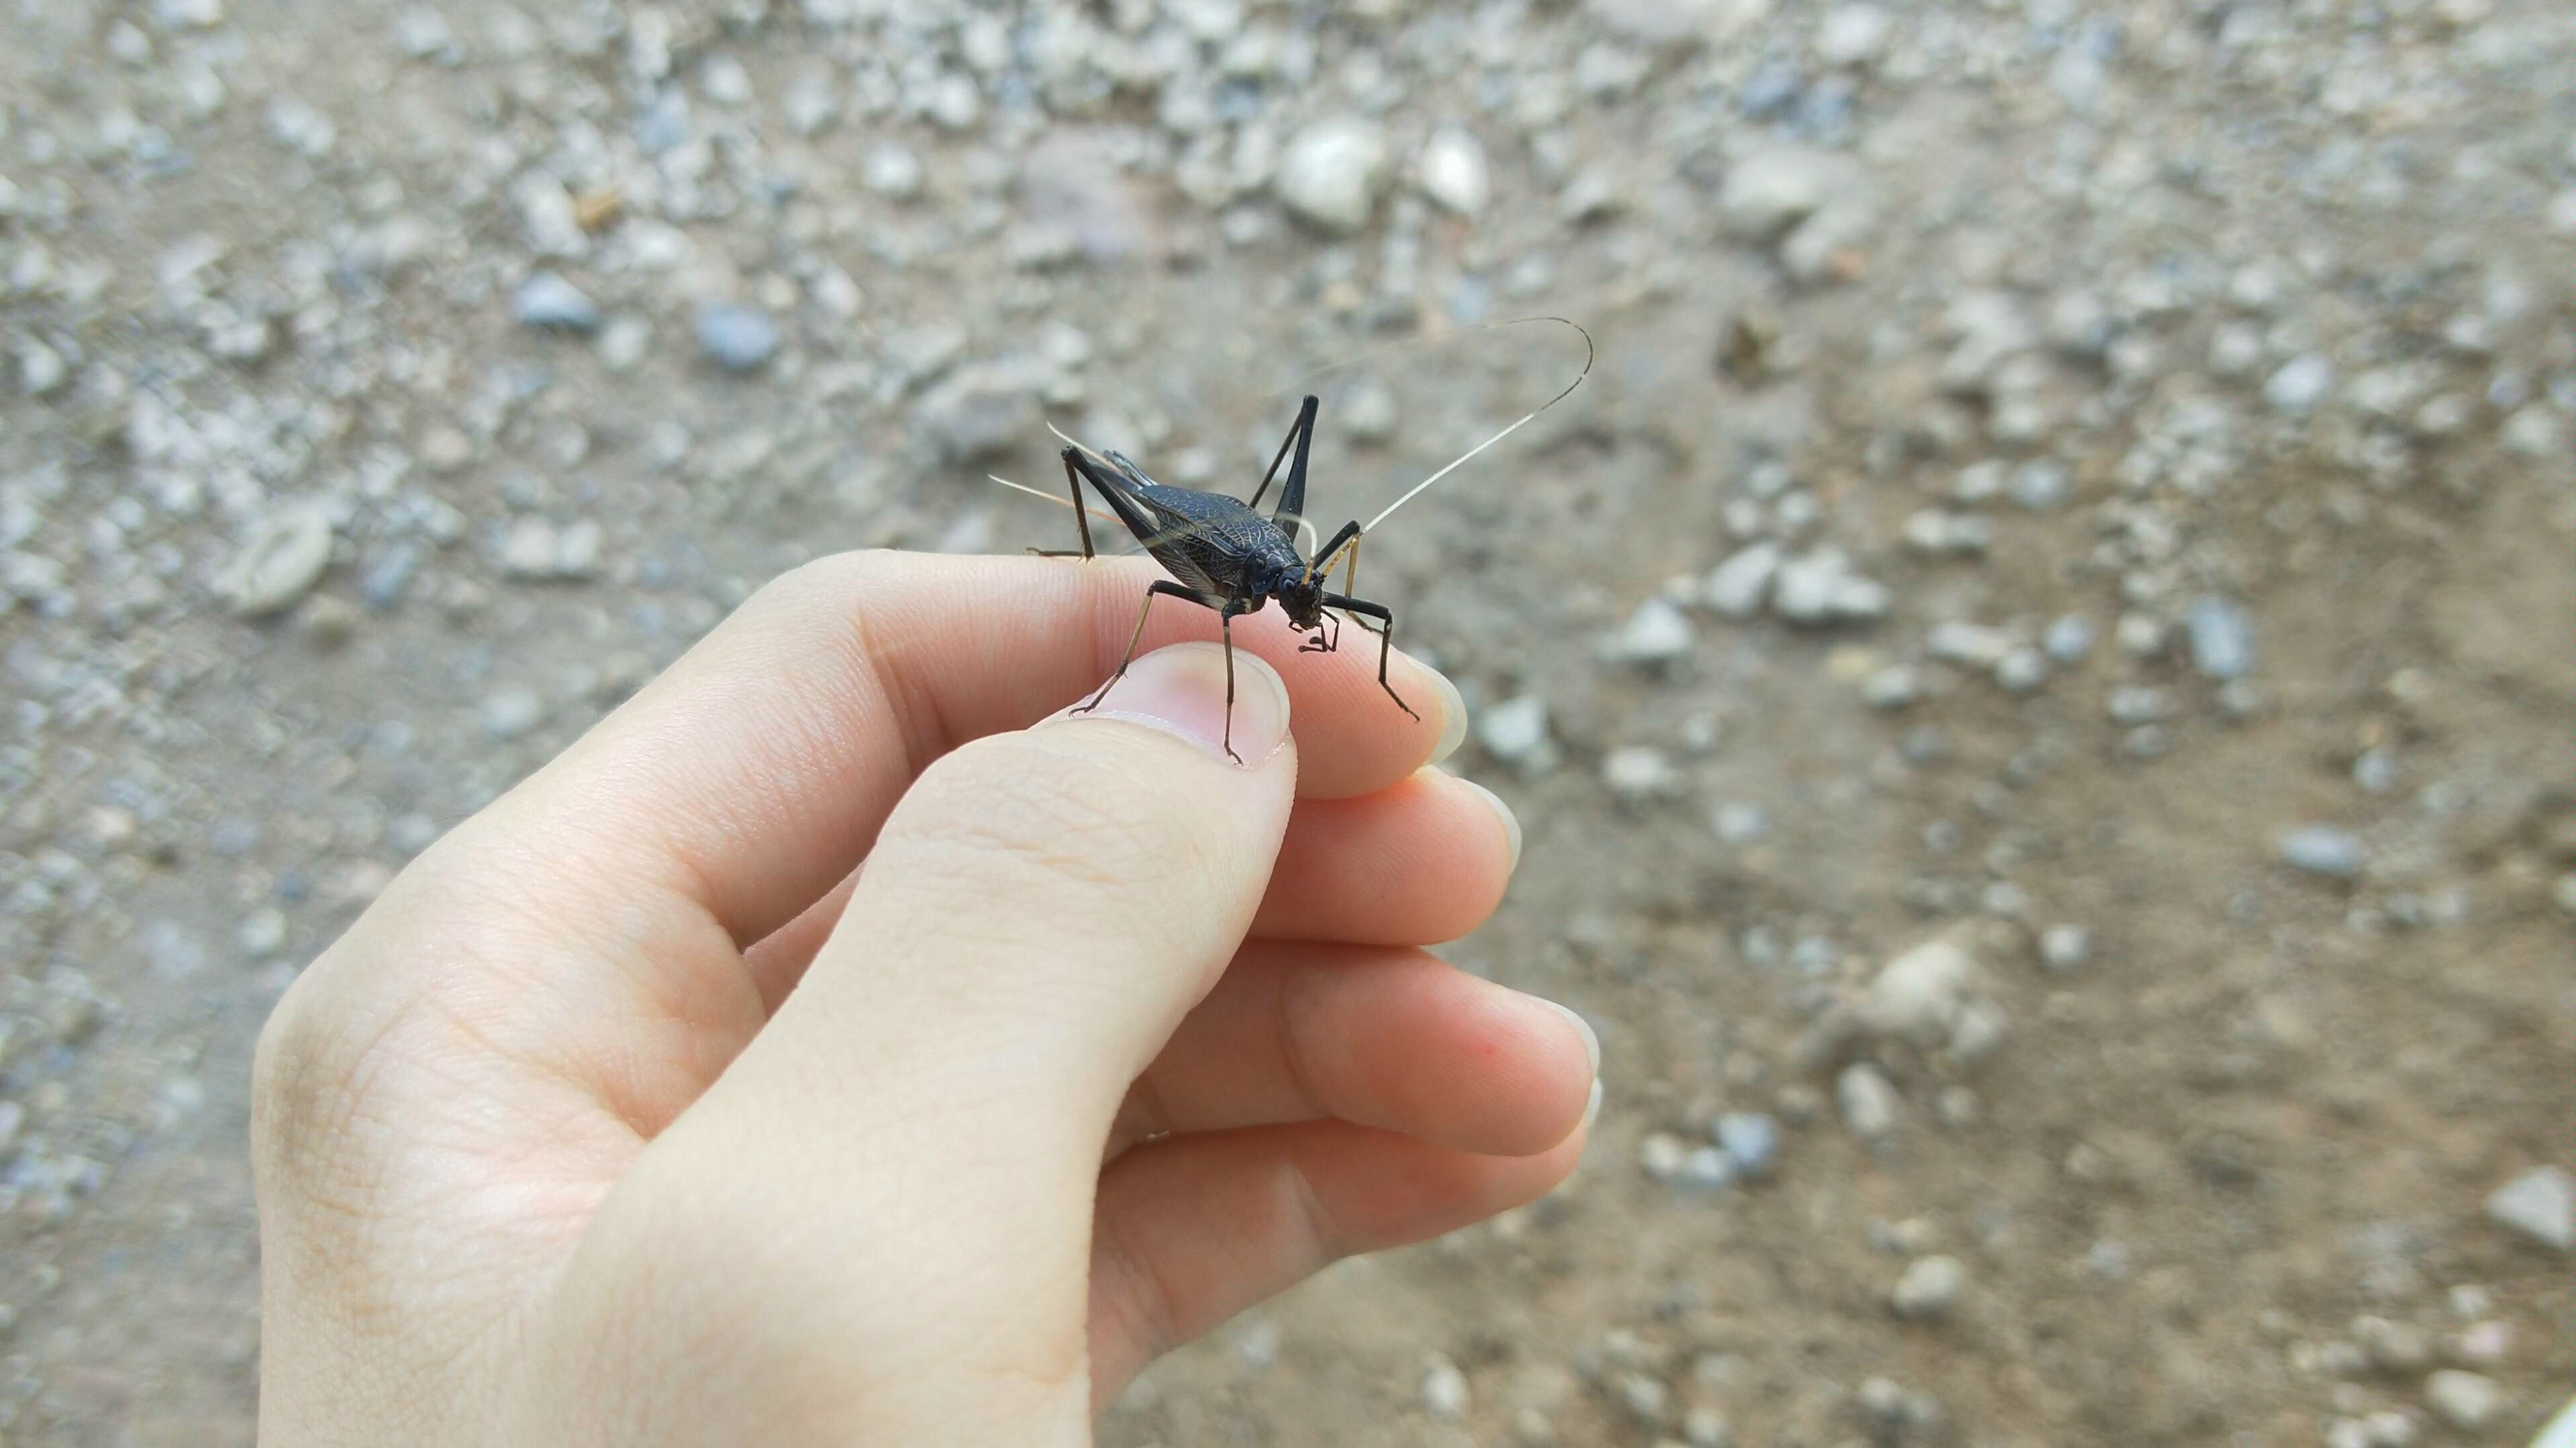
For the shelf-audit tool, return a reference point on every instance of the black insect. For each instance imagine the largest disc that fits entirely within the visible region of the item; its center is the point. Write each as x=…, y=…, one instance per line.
x=1224, y=555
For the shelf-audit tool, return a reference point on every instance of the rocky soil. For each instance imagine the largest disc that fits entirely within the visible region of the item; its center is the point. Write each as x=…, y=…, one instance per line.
x=2037, y=670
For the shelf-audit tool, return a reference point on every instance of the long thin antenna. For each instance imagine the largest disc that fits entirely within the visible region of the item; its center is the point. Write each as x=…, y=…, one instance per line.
x=1058, y=500
x=1408, y=344
x=1589, y=353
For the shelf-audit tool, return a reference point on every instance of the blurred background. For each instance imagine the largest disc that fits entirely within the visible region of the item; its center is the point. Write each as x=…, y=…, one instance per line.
x=2037, y=670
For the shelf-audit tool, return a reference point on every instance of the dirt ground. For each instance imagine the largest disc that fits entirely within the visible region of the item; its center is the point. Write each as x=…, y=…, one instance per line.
x=2158, y=416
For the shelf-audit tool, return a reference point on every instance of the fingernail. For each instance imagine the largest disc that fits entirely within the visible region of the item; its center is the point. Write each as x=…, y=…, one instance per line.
x=1180, y=690
x=1591, y=1038
x=1453, y=714
x=1511, y=822
x=1592, y=1107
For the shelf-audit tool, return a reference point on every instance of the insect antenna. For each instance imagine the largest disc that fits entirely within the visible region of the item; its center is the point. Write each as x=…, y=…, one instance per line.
x=1589, y=353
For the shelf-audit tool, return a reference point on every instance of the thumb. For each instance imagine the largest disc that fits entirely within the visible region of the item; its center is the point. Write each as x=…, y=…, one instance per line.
x=889, y=1193
x=1061, y=896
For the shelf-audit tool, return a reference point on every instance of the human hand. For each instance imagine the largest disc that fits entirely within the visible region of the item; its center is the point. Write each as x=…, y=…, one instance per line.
x=636, y=1111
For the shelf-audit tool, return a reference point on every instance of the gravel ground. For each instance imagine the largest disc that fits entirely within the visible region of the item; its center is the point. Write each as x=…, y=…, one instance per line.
x=2037, y=670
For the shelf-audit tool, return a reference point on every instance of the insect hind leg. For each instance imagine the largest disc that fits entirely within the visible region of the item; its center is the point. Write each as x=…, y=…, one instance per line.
x=1164, y=586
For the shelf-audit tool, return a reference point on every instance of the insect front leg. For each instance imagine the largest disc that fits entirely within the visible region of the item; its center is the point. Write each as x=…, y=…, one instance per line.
x=1362, y=608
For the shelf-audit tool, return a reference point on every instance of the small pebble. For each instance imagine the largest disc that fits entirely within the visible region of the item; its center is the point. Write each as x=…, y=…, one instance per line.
x=2539, y=1205
x=1928, y=1288
x=280, y=561
x=1444, y=1389
x=1331, y=172
x=547, y=300
x=737, y=338
x=2300, y=384
x=2222, y=638
x=1737, y=587
x=1515, y=731
x=1751, y=1139
x=2065, y=947
x=2470, y=1402
x=2323, y=850
x=1868, y=1102
x=1657, y=633
x=511, y=713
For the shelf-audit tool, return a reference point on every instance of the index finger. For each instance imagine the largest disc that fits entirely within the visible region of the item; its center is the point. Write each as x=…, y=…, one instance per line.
x=756, y=771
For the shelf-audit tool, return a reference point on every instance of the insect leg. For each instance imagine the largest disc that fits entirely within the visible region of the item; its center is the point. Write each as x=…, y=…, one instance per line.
x=1362, y=608
x=1225, y=635
x=1082, y=520
x=1161, y=586
x=1301, y=435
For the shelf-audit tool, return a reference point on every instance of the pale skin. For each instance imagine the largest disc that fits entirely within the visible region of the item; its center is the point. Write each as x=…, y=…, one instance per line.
x=636, y=1111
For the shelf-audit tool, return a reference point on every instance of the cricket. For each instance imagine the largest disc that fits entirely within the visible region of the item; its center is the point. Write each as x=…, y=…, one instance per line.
x=1225, y=556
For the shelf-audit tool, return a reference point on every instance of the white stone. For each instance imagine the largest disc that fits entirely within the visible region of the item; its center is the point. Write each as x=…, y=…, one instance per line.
x=1929, y=1288
x=1453, y=171
x=1515, y=731
x=1737, y=587
x=1331, y=173
x=1769, y=191
x=2470, y=1402
x=2540, y=1204
x=1920, y=994
x=1657, y=633
x=280, y=561
x=1851, y=35
x=1869, y=1102
x=1444, y=1389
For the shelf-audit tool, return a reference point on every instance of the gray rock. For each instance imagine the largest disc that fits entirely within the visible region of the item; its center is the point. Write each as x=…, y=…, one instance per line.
x=2222, y=638
x=1768, y=192
x=1740, y=822
x=2323, y=850
x=41, y=369
x=1657, y=633
x=2300, y=384
x=1851, y=35
x=2540, y=1205
x=2041, y=485
x=1750, y=1139
x=1331, y=172
x=547, y=300
x=1737, y=587
x=1820, y=589
x=1369, y=414
x=980, y=411
x=2065, y=947
x=2134, y=704
x=1920, y=995
x=2070, y=638
x=1638, y=773
x=510, y=713
x=1515, y=731
x=546, y=210
x=891, y=169
x=1928, y=1288
x=2021, y=670
x=386, y=573
x=737, y=338
x=1868, y=1101
x=2470, y=1402
x=280, y=561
